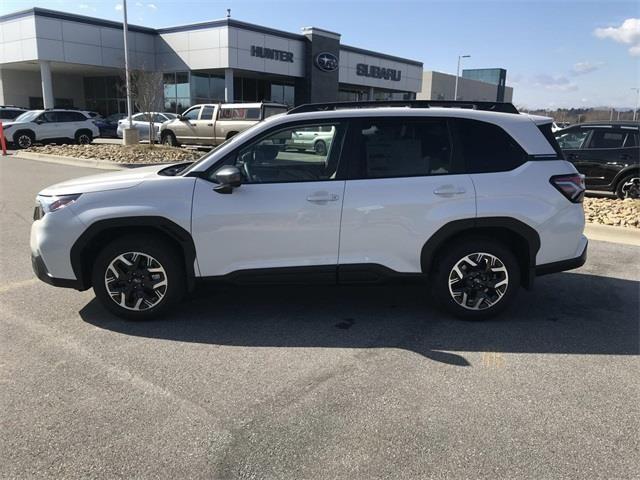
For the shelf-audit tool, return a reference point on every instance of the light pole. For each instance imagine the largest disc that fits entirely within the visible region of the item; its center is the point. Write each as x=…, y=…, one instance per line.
x=455, y=91
x=635, y=110
x=130, y=134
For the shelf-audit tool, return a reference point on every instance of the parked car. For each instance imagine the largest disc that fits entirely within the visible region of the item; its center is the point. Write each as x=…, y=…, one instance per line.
x=50, y=125
x=10, y=112
x=141, y=123
x=317, y=139
x=212, y=124
x=555, y=126
x=606, y=153
x=108, y=126
x=474, y=203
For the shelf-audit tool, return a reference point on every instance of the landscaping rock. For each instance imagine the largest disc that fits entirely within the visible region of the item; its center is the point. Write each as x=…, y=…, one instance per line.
x=614, y=212
x=121, y=153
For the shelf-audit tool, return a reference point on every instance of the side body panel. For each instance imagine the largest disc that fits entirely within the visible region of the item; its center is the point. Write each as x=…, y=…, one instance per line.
x=266, y=225
x=527, y=195
x=387, y=221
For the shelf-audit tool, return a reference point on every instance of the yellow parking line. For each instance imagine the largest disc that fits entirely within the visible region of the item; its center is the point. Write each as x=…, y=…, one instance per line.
x=15, y=285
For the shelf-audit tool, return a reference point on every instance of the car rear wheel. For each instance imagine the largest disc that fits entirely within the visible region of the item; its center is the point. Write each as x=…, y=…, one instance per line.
x=24, y=139
x=320, y=147
x=138, y=277
x=476, y=278
x=629, y=186
x=84, y=138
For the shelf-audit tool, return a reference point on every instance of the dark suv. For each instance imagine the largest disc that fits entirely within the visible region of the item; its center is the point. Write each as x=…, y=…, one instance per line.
x=607, y=153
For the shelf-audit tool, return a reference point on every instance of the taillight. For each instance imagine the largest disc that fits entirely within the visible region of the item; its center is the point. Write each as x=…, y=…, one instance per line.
x=571, y=186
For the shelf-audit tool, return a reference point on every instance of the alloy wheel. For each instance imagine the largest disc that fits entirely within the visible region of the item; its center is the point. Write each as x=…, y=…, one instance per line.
x=478, y=281
x=631, y=188
x=84, y=139
x=136, y=281
x=24, y=141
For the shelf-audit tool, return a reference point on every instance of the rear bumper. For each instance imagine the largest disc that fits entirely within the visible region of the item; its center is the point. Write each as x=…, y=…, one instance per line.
x=562, y=265
x=40, y=269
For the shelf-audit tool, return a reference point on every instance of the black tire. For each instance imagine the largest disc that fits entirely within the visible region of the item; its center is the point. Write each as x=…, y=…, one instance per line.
x=83, y=137
x=166, y=257
x=476, y=278
x=169, y=139
x=24, y=139
x=623, y=190
x=320, y=147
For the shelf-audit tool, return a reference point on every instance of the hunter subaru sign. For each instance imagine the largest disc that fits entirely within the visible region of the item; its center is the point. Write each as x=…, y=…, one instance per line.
x=373, y=71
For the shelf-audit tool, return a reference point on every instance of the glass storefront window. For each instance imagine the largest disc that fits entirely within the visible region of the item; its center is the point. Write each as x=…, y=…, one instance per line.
x=182, y=84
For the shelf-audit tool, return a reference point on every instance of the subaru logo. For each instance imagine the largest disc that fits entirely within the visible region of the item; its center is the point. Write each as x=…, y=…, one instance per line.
x=327, y=62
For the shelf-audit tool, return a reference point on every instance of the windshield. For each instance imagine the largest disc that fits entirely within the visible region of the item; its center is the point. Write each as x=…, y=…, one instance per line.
x=28, y=116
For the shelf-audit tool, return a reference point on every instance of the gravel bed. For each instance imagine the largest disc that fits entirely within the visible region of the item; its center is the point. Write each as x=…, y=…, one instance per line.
x=121, y=153
x=608, y=211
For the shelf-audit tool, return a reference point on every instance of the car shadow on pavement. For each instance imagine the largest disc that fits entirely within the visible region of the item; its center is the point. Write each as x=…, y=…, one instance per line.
x=567, y=313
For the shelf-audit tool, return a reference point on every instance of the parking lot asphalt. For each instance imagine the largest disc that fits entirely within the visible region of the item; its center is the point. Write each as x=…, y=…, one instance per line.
x=315, y=382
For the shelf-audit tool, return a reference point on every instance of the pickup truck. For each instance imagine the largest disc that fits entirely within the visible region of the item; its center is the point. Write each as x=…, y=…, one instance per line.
x=210, y=124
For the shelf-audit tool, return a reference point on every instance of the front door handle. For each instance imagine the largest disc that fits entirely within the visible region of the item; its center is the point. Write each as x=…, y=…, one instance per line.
x=449, y=190
x=322, y=197
x=572, y=156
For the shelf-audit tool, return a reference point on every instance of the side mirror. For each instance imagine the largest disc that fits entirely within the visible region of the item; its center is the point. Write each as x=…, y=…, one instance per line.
x=39, y=122
x=228, y=178
x=181, y=118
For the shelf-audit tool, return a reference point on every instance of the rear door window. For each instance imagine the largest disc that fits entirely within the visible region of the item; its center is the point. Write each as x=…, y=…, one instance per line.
x=602, y=138
x=487, y=147
x=631, y=140
x=207, y=113
x=400, y=147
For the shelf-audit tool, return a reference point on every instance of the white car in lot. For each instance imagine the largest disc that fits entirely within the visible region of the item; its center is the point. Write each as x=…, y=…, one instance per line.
x=37, y=126
x=473, y=203
x=317, y=139
x=141, y=122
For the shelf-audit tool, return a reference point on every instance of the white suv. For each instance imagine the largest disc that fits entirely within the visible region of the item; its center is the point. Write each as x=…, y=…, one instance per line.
x=48, y=125
x=475, y=203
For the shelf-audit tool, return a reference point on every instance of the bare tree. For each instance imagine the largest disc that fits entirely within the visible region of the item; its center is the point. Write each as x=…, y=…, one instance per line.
x=147, y=92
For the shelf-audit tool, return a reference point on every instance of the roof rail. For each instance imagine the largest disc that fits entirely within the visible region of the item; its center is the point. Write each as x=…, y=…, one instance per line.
x=502, y=107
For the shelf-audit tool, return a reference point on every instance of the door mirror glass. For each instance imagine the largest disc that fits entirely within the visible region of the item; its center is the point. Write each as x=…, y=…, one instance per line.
x=228, y=178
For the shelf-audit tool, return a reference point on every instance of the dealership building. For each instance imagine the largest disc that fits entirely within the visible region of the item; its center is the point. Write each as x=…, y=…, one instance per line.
x=56, y=59
x=482, y=84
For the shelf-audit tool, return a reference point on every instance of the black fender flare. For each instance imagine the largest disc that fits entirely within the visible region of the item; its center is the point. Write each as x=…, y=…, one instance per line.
x=456, y=227
x=85, y=242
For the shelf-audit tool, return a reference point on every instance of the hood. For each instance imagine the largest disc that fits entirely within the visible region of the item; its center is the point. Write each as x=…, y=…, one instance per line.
x=103, y=181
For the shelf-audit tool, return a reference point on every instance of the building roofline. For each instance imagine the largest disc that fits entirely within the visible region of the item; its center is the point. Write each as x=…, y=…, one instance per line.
x=230, y=22
x=225, y=22
x=45, y=12
x=393, y=58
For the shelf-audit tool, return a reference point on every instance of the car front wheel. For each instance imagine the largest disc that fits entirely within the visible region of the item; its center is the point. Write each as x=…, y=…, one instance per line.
x=23, y=139
x=138, y=277
x=476, y=278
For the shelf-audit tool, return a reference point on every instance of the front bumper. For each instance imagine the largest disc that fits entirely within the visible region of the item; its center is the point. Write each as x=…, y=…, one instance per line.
x=40, y=269
x=563, y=265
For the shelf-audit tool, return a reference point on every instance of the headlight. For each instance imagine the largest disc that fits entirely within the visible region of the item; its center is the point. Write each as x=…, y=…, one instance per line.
x=51, y=204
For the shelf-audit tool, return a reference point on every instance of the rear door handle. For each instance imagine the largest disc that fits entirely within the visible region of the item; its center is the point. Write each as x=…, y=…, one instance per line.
x=449, y=190
x=322, y=197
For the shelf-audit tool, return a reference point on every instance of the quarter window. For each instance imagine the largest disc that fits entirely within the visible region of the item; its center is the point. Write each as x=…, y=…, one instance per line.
x=388, y=148
x=488, y=148
x=293, y=154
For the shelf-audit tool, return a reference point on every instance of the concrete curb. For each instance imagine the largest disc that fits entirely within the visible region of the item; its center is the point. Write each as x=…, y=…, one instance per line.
x=606, y=233
x=80, y=162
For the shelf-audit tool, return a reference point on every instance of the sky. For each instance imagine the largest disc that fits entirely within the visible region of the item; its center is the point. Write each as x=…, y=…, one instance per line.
x=558, y=53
